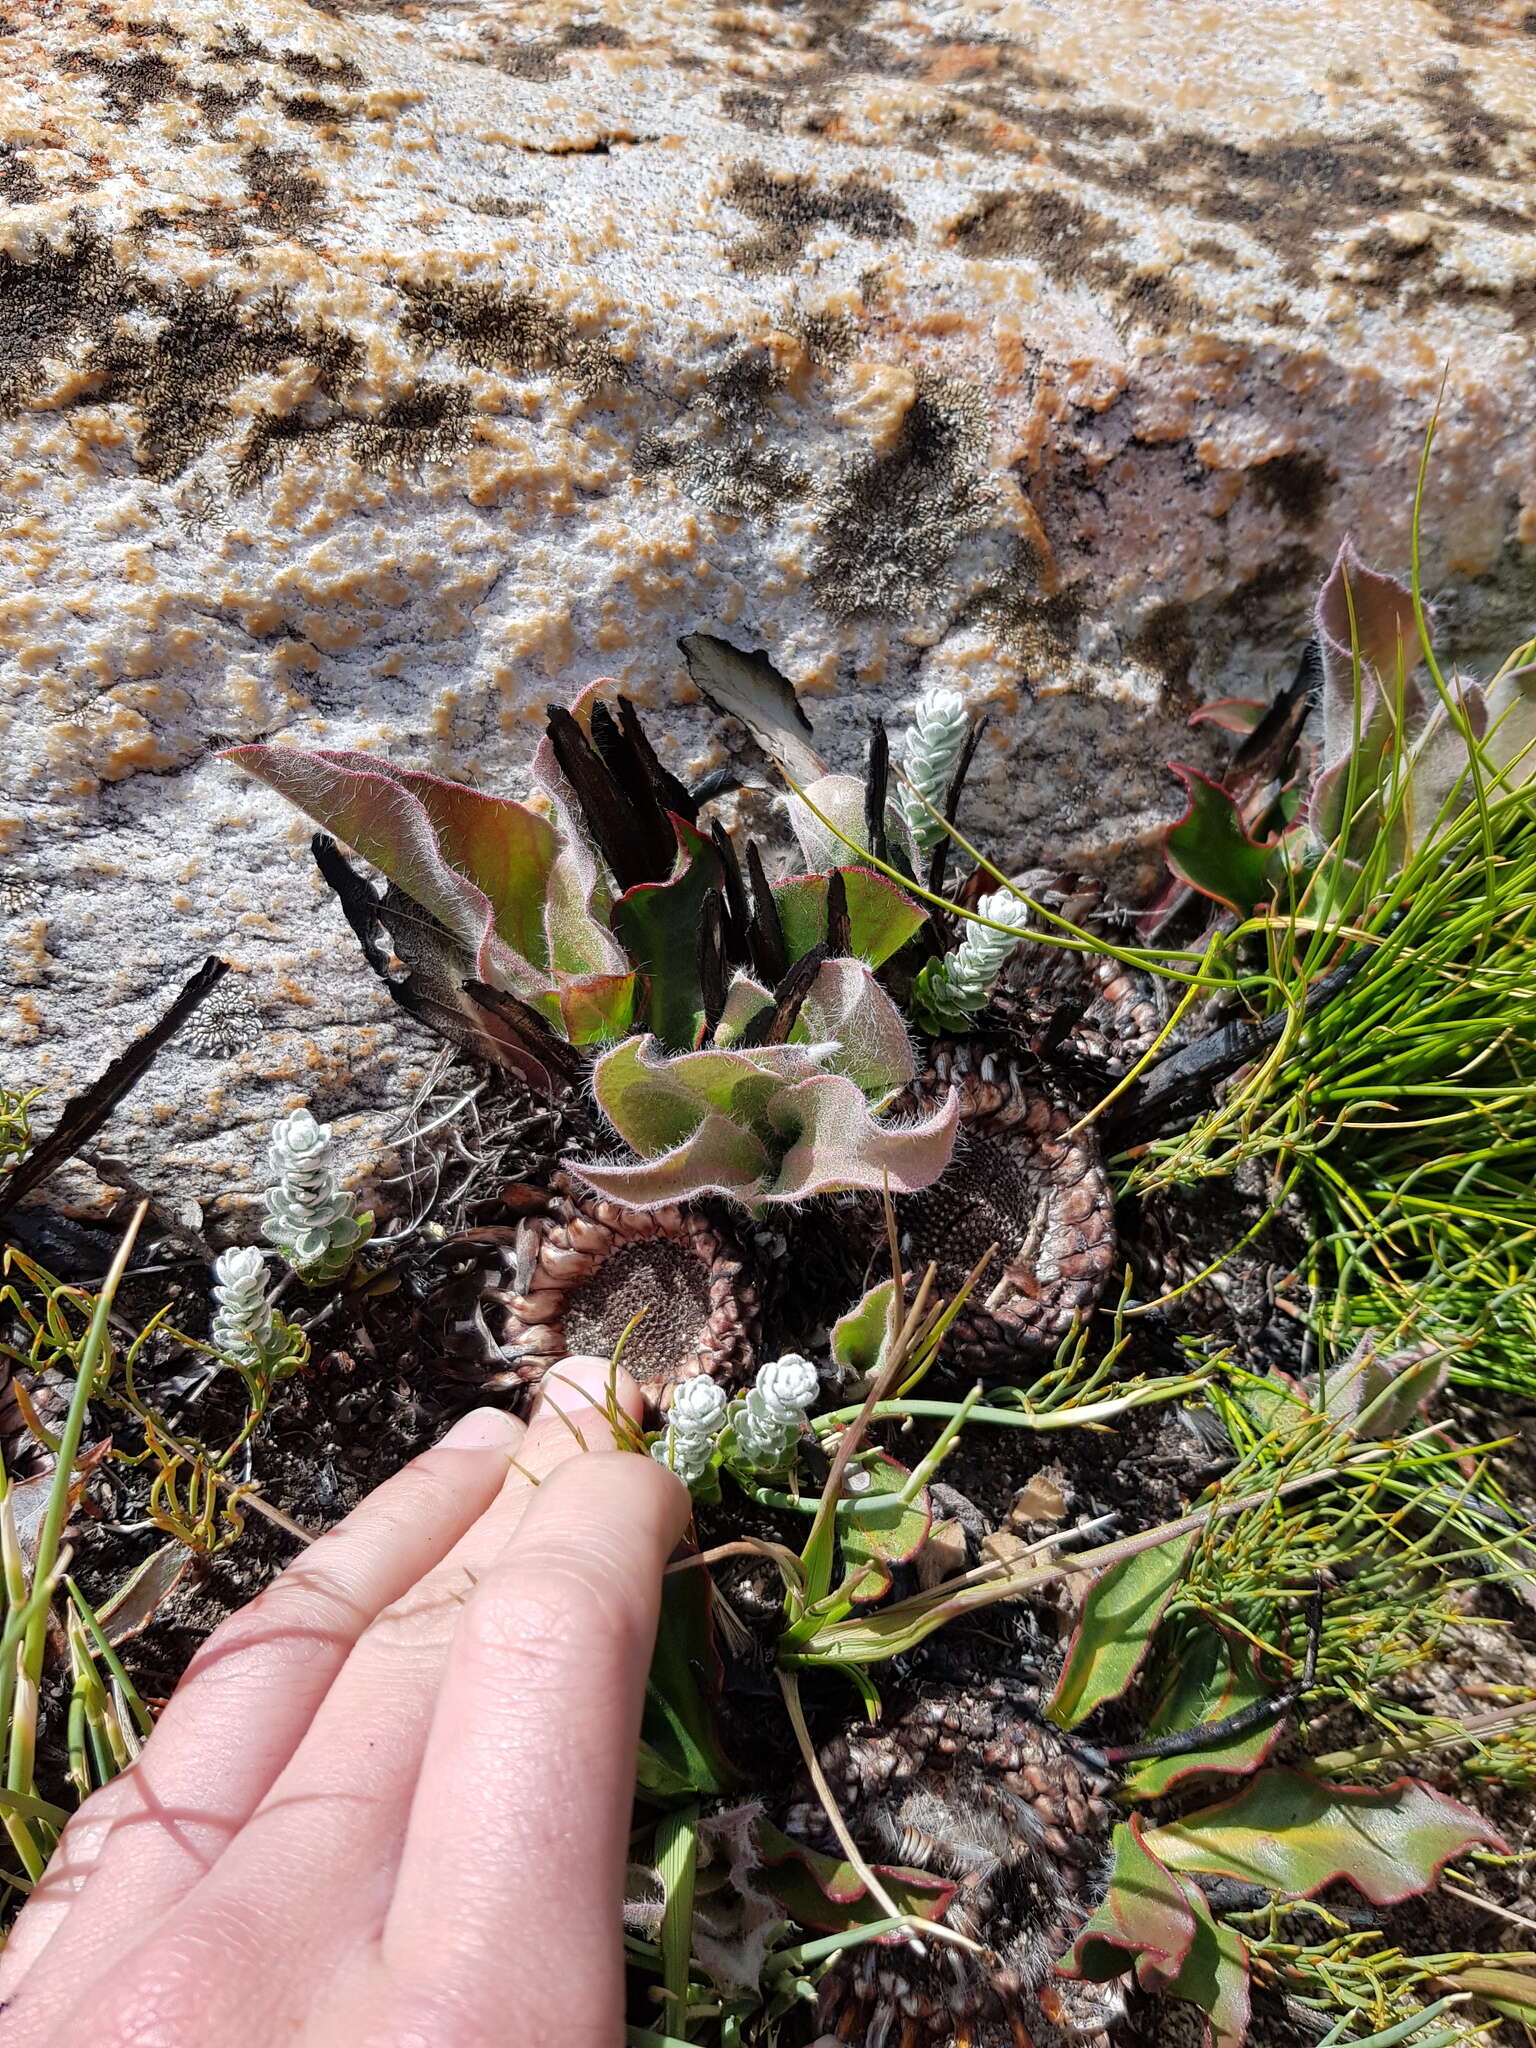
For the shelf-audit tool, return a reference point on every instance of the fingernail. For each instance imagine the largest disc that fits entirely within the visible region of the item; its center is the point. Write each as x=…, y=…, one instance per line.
x=573, y=1383
x=482, y=1429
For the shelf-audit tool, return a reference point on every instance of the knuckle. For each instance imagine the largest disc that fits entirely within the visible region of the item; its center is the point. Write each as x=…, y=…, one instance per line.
x=554, y=1620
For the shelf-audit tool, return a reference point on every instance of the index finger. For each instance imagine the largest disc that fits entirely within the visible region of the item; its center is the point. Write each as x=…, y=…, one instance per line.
x=510, y=1886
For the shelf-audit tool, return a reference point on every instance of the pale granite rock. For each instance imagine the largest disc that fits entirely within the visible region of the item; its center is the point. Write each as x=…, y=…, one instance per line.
x=376, y=379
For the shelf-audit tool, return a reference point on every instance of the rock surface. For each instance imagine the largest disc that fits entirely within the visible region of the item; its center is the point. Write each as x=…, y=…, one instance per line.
x=377, y=378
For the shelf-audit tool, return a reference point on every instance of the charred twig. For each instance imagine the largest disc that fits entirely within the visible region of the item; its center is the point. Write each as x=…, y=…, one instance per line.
x=1178, y=1087
x=84, y=1114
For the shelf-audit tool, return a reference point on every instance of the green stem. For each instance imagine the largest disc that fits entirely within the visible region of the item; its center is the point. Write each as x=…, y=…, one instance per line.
x=23, y=1742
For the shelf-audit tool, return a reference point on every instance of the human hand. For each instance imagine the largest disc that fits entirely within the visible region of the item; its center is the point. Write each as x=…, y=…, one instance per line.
x=389, y=1802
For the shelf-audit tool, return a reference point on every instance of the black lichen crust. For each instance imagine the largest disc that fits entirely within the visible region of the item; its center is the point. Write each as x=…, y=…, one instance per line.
x=969, y=1785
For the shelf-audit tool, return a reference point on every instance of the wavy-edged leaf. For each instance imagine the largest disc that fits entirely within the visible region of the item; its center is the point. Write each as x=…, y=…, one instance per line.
x=828, y=1896
x=658, y=925
x=596, y=1009
x=1144, y=1921
x=845, y=1006
x=364, y=803
x=881, y=917
x=1211, y=1675
x=1214, y=1975
x=1210, y=849
x=839, y=1145
x=875, y=1538
x=743, y=683
x=719, y=1158
x=1290, y=1832
x=1119, y=1619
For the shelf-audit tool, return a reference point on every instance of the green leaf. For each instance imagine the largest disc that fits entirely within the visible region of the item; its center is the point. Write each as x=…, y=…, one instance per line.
x=504, y=849
x=365, y=803
x=1120, y=1616
x=823, y=1893
x=680, y=1745
x=1209, y=847
x=1292, y=1833
x=1377, y=1392
x=1210, y=1675
x=873, y=1539
x=859, y=1337
x=1157, y=1924
x=599, y=1008
x=881, y=917
x=840, y=800
x=1214, y=1975
x=657, y=923
x=677, y=1857
x=1144, y=1921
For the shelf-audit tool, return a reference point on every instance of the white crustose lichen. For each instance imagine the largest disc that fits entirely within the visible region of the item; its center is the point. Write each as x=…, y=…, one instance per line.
x=309, y=1218
x=694, y=1423
x=940, y=725
x=767, y=1422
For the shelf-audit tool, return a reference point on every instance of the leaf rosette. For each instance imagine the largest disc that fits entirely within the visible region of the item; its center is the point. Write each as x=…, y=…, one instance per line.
x=773, y=1123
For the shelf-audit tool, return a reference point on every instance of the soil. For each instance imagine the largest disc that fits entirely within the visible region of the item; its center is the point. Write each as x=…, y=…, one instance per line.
x=379, y=1389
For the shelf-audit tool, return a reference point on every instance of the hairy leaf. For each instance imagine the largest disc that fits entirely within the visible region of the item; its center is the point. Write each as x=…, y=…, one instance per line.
x=881, y=917
x=1384, y=632
x=1120, y=1617
x=859, y=1337
x=776, y=1122
x=366, y=804
x=840, y=800
x=1242, y=715
x=1290, y=1832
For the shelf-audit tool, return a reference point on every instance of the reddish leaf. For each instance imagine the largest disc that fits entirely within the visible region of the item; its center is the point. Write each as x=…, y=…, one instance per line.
x=1232, y=714
x=1292, y=1833
x=1119, y=1619
x=1157, y=1924
x=1214, y=1975
x=1144, y=1922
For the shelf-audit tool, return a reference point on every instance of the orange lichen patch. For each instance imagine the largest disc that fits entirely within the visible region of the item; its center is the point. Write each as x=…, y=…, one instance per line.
x=28, y=951
x=881, y=396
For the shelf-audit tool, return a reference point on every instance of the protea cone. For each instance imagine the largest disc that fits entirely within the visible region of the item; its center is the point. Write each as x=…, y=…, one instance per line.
x=969, y=1786
x=574, y=1273
x=1021, y=1181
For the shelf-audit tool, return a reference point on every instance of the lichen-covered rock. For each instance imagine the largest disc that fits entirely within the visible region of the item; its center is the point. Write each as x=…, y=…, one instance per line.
x=377, y=376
